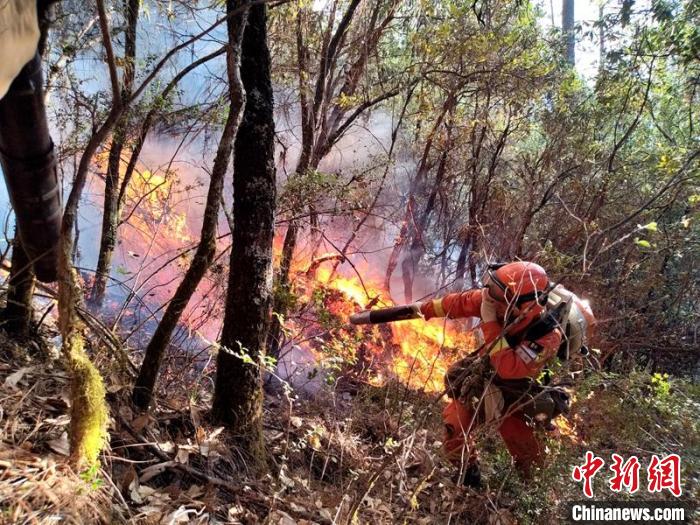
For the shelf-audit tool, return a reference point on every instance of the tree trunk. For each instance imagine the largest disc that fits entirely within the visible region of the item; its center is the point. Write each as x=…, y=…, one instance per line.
x=110, y=215
x=601, y=38
x=417, y=187
x=238, y=393
x=145, y=383
x=17, y=316
x=28, y=159
x=410, y=263
x=568, y=21
x=282, y=289
x=464, y=250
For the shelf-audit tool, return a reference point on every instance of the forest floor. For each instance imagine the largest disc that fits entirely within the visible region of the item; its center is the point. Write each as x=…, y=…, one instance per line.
x=352, y=454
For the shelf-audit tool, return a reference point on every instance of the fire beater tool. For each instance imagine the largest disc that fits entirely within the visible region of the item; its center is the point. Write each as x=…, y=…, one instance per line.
x=388, y=315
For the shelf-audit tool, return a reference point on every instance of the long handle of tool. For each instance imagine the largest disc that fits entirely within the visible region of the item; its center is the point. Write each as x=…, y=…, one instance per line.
x=387, y=315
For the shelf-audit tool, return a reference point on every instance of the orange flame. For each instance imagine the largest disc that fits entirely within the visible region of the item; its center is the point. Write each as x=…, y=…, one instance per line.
x=416, y=352
x=421, y=351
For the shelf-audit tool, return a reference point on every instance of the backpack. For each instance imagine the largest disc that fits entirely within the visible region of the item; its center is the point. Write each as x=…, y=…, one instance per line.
x=566, y=311
x=575, y=319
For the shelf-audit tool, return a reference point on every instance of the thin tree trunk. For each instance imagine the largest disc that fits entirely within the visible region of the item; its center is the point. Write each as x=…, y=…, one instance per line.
x=464, y=250
x=110, y=215
x=568, y=21
x=416, y=188
x=399, y=242
x=238, y=393
x=282, y=289
x=17, y=316
x=410, y=263
x=145, y=383
x=601, y=38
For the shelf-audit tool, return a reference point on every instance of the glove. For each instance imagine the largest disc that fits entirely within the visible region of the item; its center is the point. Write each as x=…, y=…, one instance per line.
x=431, y=309
x=427, y=310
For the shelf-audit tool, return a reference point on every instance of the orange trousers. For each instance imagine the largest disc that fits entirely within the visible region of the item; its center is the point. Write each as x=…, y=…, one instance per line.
x=519, y=437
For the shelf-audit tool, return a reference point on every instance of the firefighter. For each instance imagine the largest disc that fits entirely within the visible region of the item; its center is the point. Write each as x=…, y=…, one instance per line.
x=498, y=384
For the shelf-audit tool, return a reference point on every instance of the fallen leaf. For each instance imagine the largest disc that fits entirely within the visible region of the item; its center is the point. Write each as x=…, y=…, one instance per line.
x=60, y=445
x=195, y=415
x=59, y=421
x=277, y=517
x=315, y=441
x=127, y=480
x=215, y=433
x=151, y=511
x=12, y=380
x=286, y=480
x=195, y=491
x=167, y=446
x=153, y=470
x=134, y=493
x=182, y=456
x=146, y=491
x=139, y=423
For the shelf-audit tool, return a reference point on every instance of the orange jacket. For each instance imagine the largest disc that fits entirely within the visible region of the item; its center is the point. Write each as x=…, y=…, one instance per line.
x=525, y=360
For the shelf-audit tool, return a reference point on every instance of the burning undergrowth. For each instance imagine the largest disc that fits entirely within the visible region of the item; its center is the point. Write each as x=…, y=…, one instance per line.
x=322, y=344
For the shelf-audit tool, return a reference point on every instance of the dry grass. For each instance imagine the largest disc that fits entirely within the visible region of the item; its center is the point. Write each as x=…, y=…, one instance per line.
x=364, y=454
x=38, y=489
x=37, y=485
x=337, y=458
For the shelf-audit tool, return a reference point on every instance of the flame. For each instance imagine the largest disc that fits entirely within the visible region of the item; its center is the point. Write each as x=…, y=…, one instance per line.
x=152, y=194
x=158, y=225
x=418, y=352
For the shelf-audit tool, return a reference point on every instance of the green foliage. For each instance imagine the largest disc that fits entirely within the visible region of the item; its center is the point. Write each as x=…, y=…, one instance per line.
x=661, y=386
x=285, y=297
x=633, y=414
x=92, y=477
x=305, y=188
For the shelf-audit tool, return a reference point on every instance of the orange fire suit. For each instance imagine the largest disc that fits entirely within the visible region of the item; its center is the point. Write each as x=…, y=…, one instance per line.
x=526, y=360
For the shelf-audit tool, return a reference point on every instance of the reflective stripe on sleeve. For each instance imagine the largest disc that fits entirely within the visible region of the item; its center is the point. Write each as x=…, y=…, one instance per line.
x=437, y=308
x=525, y=353
x=499, y=345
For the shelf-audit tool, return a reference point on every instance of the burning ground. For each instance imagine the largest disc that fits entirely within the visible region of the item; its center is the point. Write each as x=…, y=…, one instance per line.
x=416, y=352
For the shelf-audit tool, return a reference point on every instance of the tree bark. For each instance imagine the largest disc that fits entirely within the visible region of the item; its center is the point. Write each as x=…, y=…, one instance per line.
x=282, y=288
x=568, y=20
x=17, y=316
x=462, y=258
x=110, y=215
x=145, y=383
x=410, y=263
x=238, y=393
